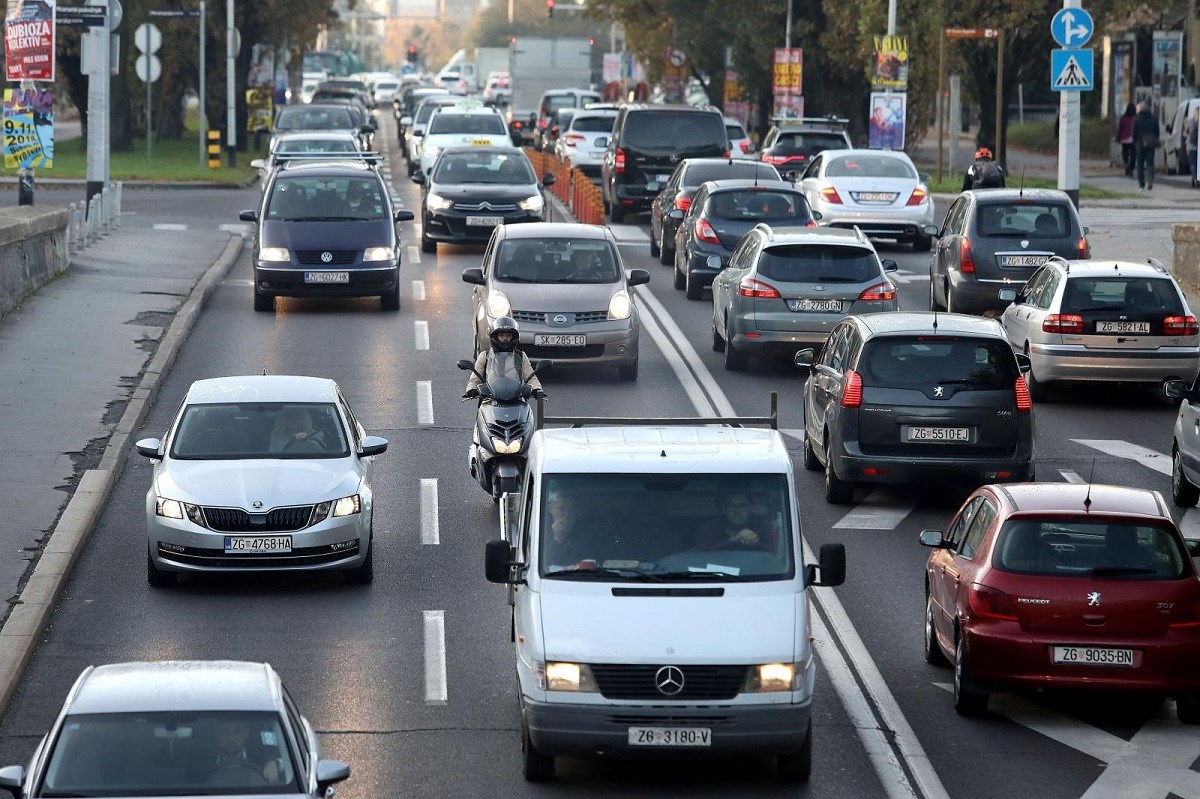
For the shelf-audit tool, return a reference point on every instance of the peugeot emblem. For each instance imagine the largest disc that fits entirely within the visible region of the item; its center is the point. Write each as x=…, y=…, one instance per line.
x=559, y=319
x=257, y=504
x=938, y=391
x=326, y=257
x=1025, y=244
x=1093, y=600
x=669, y=680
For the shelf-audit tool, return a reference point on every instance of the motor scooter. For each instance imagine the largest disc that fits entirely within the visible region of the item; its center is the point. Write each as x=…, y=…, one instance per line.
x=504, y=424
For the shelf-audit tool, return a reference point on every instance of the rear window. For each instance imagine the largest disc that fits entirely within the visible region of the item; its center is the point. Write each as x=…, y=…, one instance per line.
x=426, y=111
x=1035, y=220
x=1090, y=548
x=300, y=118
x=467, y=123
x=921, y=361
x=695, y=175
x=865, y=165
x=734, y=131
x=557, y=101
x=592, y=124
x=666, y=132
x=821, y=263
x=754, y=205
x=811, y=141
x=1129, y=295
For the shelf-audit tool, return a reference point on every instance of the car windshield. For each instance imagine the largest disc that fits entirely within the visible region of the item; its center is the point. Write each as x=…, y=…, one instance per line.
x=599, y=124
x=754, y=205
x=1025, y=220
x=1131, y=296
x=247, y=430
x=556, y=261
x=1115, y=549
x=918, y=362
x=482, y=166
x=697, y=174
x=865, y=165
x=446, y=122
x=819, y=263
x=672, y=527
x=666, y=132
x=301, y=118
x=326, y=199
x=204, y=753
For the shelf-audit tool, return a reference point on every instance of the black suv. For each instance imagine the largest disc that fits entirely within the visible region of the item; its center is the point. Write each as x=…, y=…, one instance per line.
x=791, y=144
x=916, y=397
x=646, y=143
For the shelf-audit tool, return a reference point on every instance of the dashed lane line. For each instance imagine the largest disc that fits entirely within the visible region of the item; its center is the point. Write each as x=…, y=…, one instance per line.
x=414, y=254
x=418, y=290
x=429, y=511
x=421, y=334
x=436, y=692
x=170, y=226
x=425, y=402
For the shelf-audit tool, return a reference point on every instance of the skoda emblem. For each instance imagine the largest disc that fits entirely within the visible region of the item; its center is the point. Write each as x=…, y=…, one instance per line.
x=559, y=319
x=669, y=680
x=938, y=391
x=326, y=257
x=1093, y=599
x=1025, y=244
x=257, y=504
x=674, y=158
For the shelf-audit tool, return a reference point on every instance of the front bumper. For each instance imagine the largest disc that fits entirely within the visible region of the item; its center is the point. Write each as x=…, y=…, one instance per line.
x=289, y=281
x=451, y=225
x=1072, y=362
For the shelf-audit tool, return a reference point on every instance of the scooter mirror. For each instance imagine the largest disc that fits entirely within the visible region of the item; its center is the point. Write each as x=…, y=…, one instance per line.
x=466, y=365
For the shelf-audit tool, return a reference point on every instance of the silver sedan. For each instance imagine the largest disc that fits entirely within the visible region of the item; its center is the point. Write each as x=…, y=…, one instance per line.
x=261, y=473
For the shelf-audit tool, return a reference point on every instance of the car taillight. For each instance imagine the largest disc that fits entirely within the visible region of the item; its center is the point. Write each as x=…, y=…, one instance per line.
x=1187, y=614
x=852, y=390
x=683, y=202
x=705, y=233
x=918, y=197
x=1021, y=391
x=517, y=125
x=745, y=146
x=989, y=603
x=1062, y=323
x=830, y=195
x=1180, y=326
x=572, y=138
x=812, y=223
x=966, y=258
x=878, y=293
x=772, y=159
x=554, y=130
x=619, y=161
x=1085, y=251
x=756, y=288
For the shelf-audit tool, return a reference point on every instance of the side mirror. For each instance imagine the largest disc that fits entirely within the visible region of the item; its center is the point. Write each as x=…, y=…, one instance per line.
x=149, y=447
x=932, y=538
x=1007, y=295
x=474, y=276
x=1174, y=389
x=675, y=214
x=817, y=216
x=543, y=366
x=418, y=178
x=889, y=265
x=601, y=142
x=831, y=568
x=12, y=778
x=498, y=562
x=1023, y=363
x=373, y=445
x=804, y=359
x=924, y=177
x=714, y=262
x=330, y=772
x=637, y=277
x=930, y=230
x=1086, y=230
x=258, y=163
x=465, y=365
x=248, y=216
x=1193, y=548
x=405, y=121
x=403, y=215
x=548, y=180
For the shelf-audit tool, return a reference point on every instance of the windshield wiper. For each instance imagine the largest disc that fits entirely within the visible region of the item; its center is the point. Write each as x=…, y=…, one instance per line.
x=1117, y=571
x=700, y=574
x=324, y=219
x=607, y=572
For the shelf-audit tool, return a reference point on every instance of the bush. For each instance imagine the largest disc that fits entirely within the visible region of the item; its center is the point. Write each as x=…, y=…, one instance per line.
x=1094, y=136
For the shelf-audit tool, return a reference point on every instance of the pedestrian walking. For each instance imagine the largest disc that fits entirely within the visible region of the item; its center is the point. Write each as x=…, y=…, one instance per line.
x=1124, y=138
x=1146, y=140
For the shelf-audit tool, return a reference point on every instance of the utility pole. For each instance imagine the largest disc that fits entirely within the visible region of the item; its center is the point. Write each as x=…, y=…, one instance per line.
x=891, y=29
x=203, y=111
x=787, y=32
x=231, y=99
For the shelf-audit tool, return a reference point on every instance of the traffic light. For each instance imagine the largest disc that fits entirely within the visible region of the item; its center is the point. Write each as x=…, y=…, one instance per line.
x=412, y=53
x=550, y=9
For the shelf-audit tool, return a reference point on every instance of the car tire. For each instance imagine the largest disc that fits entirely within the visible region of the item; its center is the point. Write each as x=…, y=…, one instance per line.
x=655, y=250
x=264, y=302
x=428, y=245
x=922, y=243
x=933, y=650
x=718, y=343
x=364, y=573
x=680, y=279
x=535, y=766
x=694, y=290
x=811, y=462
x=934, y=305
x=616, y=214
x=628, y=372
x=735, y=360
x=797, y=766
x=156, y=577
x=391, y=300
x=968, y=700
x=1182, y=491
x=837, y=490
x=1187, y=708
x=666, y=255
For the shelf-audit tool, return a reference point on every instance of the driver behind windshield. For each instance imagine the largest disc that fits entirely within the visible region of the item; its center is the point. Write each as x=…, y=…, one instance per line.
x=503, y=359
x=737, y=527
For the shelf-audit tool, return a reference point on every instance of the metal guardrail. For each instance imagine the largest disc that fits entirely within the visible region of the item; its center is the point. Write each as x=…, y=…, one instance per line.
x=772, y=420
x=88, y=222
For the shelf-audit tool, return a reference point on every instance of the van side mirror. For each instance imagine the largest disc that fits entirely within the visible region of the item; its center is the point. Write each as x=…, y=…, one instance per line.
x=1023, y=363
x=329, y=772
x=405, y=121
x=601, y=142
x=548, y=179
x=418, y=178
x=675, y=214
x=498, y=562
x=637, y=277
x=804, y=359
x=830, y=569
x=258, y=163
x=1193, y=547
x=931, y=230
x=924, y=177
x=1174, y=389
x=248, y=216
x=474, y=276
x=12, y=778
x=932, y=538
x=404, y=215
x=150, y=447
x=1009, y=295
x=817, y=216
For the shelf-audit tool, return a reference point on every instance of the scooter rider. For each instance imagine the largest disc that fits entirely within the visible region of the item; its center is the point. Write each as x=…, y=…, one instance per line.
x=503, y=359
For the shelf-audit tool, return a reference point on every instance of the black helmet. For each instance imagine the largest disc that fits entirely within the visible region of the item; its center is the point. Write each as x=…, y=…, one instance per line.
x=505, y=324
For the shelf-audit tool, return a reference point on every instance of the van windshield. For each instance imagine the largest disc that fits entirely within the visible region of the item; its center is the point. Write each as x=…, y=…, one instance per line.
x=666, y=527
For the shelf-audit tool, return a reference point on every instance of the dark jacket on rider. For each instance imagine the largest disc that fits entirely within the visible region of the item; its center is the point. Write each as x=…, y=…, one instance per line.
x=522, y=364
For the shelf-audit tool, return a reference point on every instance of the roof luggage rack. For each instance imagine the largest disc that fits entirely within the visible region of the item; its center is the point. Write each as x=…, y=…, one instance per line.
x=368, y=156
x=771, y=420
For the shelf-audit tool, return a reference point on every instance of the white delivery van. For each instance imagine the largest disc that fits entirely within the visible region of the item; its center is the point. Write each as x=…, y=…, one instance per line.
x=659, y=596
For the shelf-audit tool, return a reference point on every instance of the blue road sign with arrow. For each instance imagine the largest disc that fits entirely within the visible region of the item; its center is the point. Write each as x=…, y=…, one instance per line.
x=1072, y=27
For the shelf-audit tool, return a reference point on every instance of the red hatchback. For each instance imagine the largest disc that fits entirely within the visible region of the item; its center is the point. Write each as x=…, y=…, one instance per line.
x=1054, y=585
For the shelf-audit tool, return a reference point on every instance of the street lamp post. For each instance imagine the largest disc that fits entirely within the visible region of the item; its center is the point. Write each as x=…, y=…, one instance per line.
x=230, y=100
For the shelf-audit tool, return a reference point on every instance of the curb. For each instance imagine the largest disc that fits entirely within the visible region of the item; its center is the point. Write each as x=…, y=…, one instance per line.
x=22, y=630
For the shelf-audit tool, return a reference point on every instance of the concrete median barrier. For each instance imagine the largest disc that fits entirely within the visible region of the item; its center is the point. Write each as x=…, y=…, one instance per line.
x=33, y=250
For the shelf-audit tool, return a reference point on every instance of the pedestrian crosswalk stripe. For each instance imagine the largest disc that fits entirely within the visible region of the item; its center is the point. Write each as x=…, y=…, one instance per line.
x=1135, y=452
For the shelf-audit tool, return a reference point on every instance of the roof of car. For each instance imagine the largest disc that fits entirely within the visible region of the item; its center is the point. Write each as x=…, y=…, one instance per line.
x=186, y=685
x=860, y=151
x=921, y=322
x=553, y=92
x=554, y=230
x=796, y=234
x=491, y=148
x=1008, y=195
x=467, y=109
x=333, y=168
x=690, y=162
x=1069, y=497
x=749, y=183
x=313, y=107
x=1104, y=268
x=262, y=388
x=633, y=449
x=674, y=108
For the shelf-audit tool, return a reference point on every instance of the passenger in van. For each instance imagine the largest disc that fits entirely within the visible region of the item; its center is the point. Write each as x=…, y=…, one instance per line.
x=567, y=543
x=737, y=528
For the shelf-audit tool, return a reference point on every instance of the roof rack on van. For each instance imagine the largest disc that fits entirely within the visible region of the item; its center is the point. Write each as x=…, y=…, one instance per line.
x=370, y=156
x=831, y=119
x=771, y=421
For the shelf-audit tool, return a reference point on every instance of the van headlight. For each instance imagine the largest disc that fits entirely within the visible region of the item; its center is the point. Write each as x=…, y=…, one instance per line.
x=497, y=304
x=274, y=254
x=436, y=202
x=174, y=509
x=532, y=204
x=620, y=306
x=770, y=677
x=574, y=677
x=503, y=447
x=377, y=254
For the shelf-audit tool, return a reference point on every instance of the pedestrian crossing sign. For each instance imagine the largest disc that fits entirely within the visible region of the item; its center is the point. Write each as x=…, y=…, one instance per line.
x=1071, y=70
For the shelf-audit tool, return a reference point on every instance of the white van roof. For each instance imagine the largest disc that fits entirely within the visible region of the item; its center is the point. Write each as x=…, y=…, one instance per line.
x=662, y=450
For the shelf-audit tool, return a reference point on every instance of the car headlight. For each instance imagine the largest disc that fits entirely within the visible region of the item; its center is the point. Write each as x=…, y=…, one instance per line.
x=772, y=677
x=274, y=254
x=497, y=304
x=347, y=506
x=532, y=204
x=174, y=509
x=503, y=447
x=436, y=202
x=620, y=306
x=377, y=254
x=575, y=677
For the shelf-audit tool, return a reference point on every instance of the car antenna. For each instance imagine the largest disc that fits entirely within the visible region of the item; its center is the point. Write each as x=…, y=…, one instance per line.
x=1087, y=500
x=1021, y=192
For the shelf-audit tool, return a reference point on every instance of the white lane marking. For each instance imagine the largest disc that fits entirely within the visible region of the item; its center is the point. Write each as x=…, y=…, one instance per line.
x=418, y=290
x=1153, y=764
x=435, y=657
x=879, y=510
x=414, y=254
x=630, y=234
x=421, y=333
x=170, y=226
x=1071, y=477
x=870, y=706
x=429, y=511
x=1189, y=525
x=424, y=402
x=1135, y=452
x=908, y=277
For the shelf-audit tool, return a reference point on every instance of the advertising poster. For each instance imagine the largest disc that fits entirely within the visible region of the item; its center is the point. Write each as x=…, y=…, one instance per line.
x=735, y=104
x=29, y=40
x=887, y=121
x=260, y=105
x=890, y=67
x=787, y=82
x=28, y=128
x=1122, y=77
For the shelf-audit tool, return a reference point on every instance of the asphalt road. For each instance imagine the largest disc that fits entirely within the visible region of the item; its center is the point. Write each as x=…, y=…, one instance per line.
x=359, y=659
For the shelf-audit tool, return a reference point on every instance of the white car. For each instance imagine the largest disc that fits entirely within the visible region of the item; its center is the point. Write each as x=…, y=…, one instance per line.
x=458, y=126
x=582, y=144
x=878, y=191
x=740, y=145
x=257, y=474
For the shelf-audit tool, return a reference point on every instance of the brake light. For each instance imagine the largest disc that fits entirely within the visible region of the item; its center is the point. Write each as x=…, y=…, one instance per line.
x=745, y=146
x=517, y=125
x=705, y=233
x=878, y=293
x=812, y=223
x=852, y=390
x=989, y=603
x=758, y=289
x=572, y=138
x=918, y=197
x=1085, y=251
x=1062, y=323
x=683, y=202
x=1021, y=391
x=830, y=195
x=966, y=258
x=554, y=129
x=1180, y=326
x=1187, y=616
x=619, y=161
x=773, y=159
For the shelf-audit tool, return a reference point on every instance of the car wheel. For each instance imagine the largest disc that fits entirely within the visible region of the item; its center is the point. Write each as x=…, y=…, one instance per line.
x=629, y=372
x=694, y=288
x=616, y=213
x=718, y=343
x=735, y=359
x=156, y=577
x=797, y=766
x=666, y=255
x=968, y=701
x=655, y=250
x=837, y=490
x=1038, y=391
x=922, y=243
x=811, y=463
x=391, y=300
x=535, y=766
x=364, y=573
x=1182, y=491
x=264, y=302
x=1188, y=709
x=934, y=305
x=680, y=279
x=427, y=244
x=933, y=650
